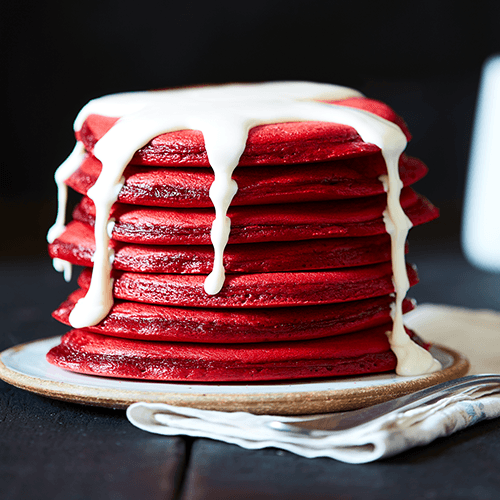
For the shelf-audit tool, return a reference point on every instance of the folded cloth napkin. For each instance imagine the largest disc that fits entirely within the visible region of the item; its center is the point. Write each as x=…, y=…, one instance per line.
x=380, y=438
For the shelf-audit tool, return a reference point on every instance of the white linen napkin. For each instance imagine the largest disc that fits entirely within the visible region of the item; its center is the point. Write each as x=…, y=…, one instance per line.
x=474, y=333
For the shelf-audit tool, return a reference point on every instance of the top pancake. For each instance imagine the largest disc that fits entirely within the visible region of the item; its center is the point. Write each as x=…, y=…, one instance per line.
x=273, y=144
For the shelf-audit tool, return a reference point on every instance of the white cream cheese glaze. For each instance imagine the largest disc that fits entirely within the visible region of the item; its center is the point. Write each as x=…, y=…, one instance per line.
x=68, y=167
x=225, y=114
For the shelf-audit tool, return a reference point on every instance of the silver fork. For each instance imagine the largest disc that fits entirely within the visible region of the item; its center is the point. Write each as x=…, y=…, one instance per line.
x=317, y=426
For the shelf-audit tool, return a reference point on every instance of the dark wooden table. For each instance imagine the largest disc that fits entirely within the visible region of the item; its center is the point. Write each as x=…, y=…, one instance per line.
x=55, y=450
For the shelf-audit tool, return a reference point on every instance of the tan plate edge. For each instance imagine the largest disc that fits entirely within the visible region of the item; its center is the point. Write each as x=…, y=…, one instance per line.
x=264, y=403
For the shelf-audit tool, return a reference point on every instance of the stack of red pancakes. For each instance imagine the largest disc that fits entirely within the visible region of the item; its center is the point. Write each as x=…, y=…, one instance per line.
x=308, y=287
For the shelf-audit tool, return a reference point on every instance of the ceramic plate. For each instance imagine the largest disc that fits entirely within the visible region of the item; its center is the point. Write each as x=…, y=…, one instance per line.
x=25, y=366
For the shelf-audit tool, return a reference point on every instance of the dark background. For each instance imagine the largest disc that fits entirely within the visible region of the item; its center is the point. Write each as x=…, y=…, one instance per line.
x=423, y=58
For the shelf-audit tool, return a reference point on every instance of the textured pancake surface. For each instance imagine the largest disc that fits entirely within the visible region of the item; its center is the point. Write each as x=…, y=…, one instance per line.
x=256, y=290
x=76, y=245
x=189, y=187
x=228, y=325
x=283, y=222
x=367, y=351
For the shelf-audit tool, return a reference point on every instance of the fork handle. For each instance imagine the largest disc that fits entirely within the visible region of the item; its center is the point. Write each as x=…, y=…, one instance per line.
x=350, y=419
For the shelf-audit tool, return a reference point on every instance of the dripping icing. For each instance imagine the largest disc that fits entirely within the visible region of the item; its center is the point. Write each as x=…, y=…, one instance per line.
x=411, y=358
x=224, y=115
x=66, y=169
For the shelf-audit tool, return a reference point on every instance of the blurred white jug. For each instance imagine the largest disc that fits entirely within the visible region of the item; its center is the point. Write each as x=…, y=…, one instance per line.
x=481, y=222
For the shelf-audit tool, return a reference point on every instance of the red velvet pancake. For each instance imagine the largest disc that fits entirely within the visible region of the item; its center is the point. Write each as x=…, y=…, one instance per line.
x=76, y=245
x=256, y=290
x=274, y=144
x=180, y=324
x=366, y=351
x=188, y=187
x=283, y=222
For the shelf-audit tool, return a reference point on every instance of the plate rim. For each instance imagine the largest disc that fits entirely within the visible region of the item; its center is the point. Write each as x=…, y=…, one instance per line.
x=277, y=403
